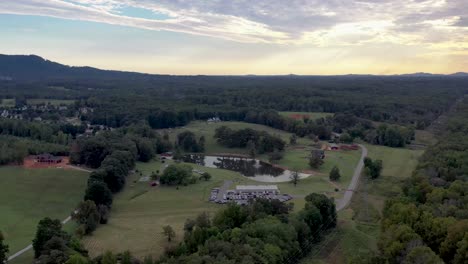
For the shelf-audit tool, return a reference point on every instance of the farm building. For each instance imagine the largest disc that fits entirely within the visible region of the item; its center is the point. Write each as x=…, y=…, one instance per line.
x=166, y=154
x=334, y=146
x=243, y=194
x=48, y=158
x=257, y=189
x=214, y=120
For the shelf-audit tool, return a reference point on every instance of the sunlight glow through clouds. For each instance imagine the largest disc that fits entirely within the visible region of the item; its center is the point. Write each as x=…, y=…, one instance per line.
x=312, y=27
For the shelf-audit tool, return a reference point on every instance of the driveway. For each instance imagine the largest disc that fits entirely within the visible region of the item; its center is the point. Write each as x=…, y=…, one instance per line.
x=344, y=202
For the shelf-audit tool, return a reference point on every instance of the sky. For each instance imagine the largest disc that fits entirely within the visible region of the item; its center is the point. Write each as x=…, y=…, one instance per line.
x=309, y=37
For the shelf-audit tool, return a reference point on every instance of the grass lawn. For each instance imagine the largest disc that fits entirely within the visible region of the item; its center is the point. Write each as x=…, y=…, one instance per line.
x=359, y=225
x=139, y=212
x=201, y=128
x=7, y=103
x=55, y=102
x=311, y=115
x=28, y=195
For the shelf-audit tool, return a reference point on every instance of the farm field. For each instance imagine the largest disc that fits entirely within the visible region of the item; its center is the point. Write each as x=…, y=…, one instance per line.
x=28, y=195
x=140, y=211
x=358, y=226
x=201, y=128
x=54, y=102
x=7, y=103
x=310, y=115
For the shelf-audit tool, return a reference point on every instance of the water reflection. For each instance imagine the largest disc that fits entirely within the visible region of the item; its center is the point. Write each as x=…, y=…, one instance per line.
x=257, y=169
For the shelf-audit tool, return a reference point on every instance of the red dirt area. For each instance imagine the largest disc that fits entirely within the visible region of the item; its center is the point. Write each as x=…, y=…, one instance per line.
x=298, y=116
x=31, y=163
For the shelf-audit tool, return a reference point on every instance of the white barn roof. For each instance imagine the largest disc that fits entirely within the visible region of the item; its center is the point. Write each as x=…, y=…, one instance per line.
x=257, y=187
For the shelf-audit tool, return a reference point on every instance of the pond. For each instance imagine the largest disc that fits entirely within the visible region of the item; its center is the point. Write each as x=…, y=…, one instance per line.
x=255, y=169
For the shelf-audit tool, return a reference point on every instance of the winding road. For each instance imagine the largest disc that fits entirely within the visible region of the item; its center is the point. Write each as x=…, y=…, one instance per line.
x=344, y=202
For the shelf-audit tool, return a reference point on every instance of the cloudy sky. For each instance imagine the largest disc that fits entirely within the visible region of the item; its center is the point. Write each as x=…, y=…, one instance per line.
x=242, y=36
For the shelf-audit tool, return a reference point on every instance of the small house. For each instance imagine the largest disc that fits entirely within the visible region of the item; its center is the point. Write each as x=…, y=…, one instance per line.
x=334, y=146
x=48, y=158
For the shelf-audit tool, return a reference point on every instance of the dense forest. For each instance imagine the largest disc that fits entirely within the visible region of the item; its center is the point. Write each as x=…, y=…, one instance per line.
x=262, y=232
x=167, y=101
x=429, y=223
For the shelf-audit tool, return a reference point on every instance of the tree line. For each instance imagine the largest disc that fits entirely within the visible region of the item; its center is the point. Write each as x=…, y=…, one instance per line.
x=265, y=231
x=261, y=141
x=428, y=224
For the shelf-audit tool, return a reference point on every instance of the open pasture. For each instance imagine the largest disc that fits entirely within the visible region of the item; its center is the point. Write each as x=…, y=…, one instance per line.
x=28, y=195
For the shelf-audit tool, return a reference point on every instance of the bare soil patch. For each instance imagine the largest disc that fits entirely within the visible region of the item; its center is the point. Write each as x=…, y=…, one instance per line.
x=31, y=163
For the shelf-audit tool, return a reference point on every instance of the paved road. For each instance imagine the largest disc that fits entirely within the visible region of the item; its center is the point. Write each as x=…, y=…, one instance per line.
x=342, y=203
x=17, y=254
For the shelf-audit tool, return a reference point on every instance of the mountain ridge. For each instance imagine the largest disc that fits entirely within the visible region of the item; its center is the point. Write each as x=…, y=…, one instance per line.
x=34, y=67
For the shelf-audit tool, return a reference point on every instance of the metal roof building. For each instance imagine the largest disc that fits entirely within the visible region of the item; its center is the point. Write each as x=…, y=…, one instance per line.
x=256, y=188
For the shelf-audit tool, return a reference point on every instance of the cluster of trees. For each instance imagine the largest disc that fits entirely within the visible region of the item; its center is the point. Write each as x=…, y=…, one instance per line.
x=334, y=174
x=178, y=174
x=109, y=178
x=265, y=231
x=15, y=149
x=19, y=138
x=262, y=141
x=4, y=249
x=181, y=174
x=392, y=136
x=140, y=140
x=52, y=245
x=12, y=151
x=429, y=223
x=113, y=154
x=373, y=168
x=188, y=142
x=50, y=133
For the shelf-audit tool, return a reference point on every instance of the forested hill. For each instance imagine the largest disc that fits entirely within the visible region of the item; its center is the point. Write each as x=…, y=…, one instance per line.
x=35, y=68
x=32, y=67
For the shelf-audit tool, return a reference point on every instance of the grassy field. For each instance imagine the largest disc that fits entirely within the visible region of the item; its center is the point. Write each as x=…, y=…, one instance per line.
x=28, y=195
x=358, y=226
x=7, y=103
x=139, y=212
x=310, y=115
x=54, y=102
x=201, y=128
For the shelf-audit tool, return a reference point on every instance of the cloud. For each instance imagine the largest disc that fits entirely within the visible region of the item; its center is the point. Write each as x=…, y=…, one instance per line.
x=330, y=22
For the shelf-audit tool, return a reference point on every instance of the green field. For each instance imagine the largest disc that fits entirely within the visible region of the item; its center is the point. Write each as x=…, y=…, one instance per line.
x=55, y=102
x=208, y=130
x=140, y=211
x=359, y=225
x=28, y=195
x=310, y=115
x=7, y=103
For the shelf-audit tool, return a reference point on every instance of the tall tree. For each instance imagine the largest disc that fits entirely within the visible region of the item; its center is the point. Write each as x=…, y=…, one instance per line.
x=295, y=177
x=99, y=193
x=3, y=249
x=87, y=215
x=46, y=229
x=335, y=174
x=169, y=232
